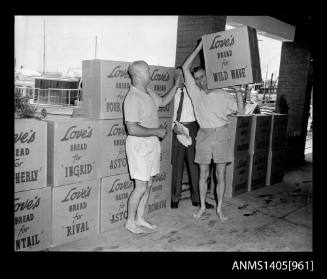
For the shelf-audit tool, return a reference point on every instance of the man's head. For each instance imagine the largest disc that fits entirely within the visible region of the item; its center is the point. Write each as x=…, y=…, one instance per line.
x=139, y=72
x=200, y=78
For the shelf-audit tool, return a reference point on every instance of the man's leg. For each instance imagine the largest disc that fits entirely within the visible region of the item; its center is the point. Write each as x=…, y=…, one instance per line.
x=177, y=171
x=192, y=168
x=139, y=220
x=204, y=172
x=133, y=203
x=220, y=188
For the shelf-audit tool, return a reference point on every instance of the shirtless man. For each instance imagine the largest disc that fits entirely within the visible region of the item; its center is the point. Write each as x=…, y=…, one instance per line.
x=142, y=143
x=211, y=108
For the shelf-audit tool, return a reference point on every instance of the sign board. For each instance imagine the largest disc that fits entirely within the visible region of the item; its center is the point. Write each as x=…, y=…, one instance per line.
x=237, y=175
x=231, y=57
x=240, y=132
x=75, y=211
x=30, y=154
x=106, y=83
x=74, y=147
x=258, y=170
x=115, y=192
x=113, y=149
x=260, y=133
x=32, y=216
x=160, y=195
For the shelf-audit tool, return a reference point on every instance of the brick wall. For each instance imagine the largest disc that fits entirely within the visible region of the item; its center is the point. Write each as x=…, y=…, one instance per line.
x=189, y=31
x=294, y=78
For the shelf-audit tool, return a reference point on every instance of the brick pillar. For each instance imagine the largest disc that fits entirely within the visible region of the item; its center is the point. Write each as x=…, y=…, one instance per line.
x=189, y=31
x=295, y=83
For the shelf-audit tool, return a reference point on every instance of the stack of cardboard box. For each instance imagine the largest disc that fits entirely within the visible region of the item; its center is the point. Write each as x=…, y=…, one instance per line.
x=105, y=85
x=73, y=160
x=258, y=150
x=32, y=205
x=237, y=172
x=277, y=148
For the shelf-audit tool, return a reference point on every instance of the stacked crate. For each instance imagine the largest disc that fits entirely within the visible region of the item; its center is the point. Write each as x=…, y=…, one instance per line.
x=32, y=204
x=258, y=150
x=277, y=148
x=237, y=172
x=105, y=85
x=73, y=159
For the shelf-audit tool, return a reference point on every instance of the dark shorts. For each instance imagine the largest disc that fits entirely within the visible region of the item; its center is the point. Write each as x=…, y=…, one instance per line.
x=213, y=143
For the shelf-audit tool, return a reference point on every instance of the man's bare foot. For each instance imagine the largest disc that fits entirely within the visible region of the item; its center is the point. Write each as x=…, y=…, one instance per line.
x=221, y=215
x=199, y=213
x=133, y=228
x=143, y=223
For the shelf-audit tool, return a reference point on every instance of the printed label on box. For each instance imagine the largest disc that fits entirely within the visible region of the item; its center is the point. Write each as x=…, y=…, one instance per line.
x=232, y=57
x=160, y=195
x=106, y=84
x=237, y=175
x=258, y=170
x=240, y=132
x=115, y=192
x=75, y=211
x=260, y=133
x=32, y=215
x=30, y=154
x=74, y=151
x=113, y=153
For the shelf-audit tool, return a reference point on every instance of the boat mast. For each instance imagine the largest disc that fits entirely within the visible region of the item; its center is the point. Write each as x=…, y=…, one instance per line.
x=96, y=44
x=43, y=45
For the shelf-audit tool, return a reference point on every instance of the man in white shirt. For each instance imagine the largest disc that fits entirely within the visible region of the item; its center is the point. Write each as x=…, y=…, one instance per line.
x=183, y=147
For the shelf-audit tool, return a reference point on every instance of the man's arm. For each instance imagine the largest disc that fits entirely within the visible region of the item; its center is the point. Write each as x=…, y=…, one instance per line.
x=165, y=100
x=239, y=99
x=187, y=66
x=135, y=129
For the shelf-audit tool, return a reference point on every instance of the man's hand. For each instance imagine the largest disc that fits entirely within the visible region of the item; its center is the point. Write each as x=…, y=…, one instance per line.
x=200, y=45
x=237, y=88
x=177, y=130
x=161, y=133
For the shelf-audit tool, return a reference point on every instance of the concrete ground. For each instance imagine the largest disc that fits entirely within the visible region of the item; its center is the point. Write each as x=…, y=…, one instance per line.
x=272, y=218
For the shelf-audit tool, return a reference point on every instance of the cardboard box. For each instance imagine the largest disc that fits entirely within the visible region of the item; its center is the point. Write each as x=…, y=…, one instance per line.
x=113, y=151
x=106, y=83
x=278, y=132
x=113, y=148
x=258, y=170
x=160, y=195
x=232, y=57
x=240, y=131
x=74, y=148
x=32, y=218
x=260, y=133
x=30, y=154
x=275, y=167
x=75, y=211
x=115, y=192
x=237, y=175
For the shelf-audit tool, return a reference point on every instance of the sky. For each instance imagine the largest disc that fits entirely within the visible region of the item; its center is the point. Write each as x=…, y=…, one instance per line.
x=71, y=39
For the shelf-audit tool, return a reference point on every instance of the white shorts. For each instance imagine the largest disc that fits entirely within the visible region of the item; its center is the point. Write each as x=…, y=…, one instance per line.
x=143, y=157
